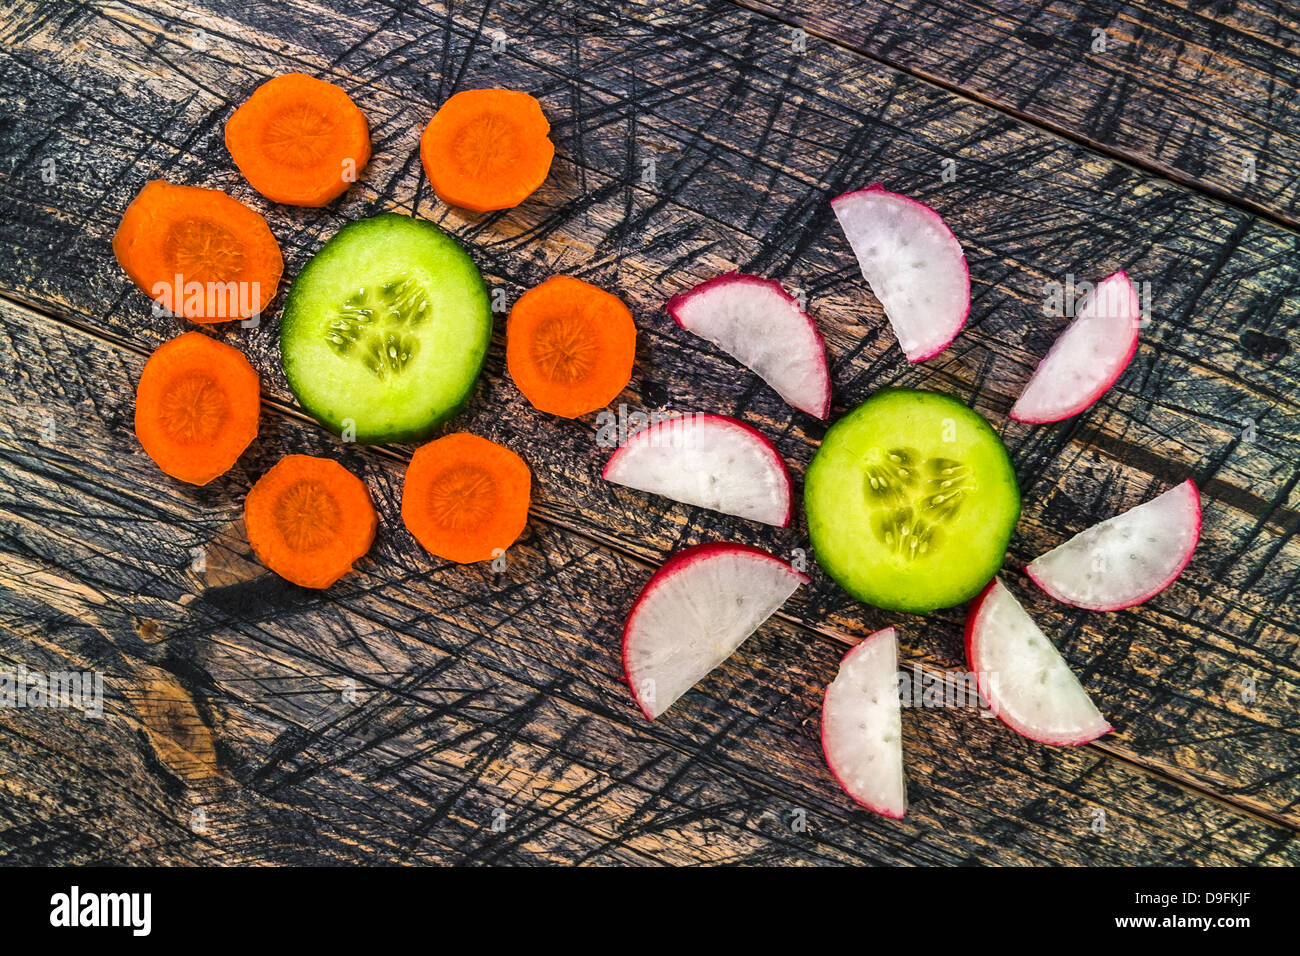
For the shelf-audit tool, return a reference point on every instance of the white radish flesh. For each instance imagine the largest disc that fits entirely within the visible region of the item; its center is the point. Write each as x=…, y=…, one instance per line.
x=1087, y=357
x=913, y=263
x=1127, y=559
x=693, y=614
x=760, y=325
x=710, y=461
x=1025, y=681
x=862, y=729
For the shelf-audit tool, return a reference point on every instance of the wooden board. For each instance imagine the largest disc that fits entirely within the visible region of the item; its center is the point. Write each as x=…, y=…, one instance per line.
x=483, y=695
x=395, y=717
x=1204, y=93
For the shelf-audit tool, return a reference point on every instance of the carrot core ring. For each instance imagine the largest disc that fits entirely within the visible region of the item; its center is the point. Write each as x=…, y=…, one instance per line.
x=465, y=498
x=570, y=346
x=487, y=149
x=196, y=407
x=309, y=519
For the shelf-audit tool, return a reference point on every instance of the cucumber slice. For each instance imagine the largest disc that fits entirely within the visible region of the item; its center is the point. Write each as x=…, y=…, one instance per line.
x=911, y=501
x=385, y=329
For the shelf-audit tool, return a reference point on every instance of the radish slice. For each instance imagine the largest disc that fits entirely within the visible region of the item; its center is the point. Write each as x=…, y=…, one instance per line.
x=1125, y=559
x=862, y=730
x=693, y=614
x=1087, y=357
x=710, y=461
x=1026, y=683
x=760, y=325
x=914, y=264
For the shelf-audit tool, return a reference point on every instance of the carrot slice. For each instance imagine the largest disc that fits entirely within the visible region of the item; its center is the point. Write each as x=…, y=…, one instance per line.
x=196, y=407
x=487, y=149
x=198, y=252
x=299, y=140
x=570, y=346
x=309, y=519
x=466, y=498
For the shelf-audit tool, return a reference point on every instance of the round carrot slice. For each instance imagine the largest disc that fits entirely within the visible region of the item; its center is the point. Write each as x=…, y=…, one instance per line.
x=466, y=498
x=487, y=149
x=198, y=252
x=299, y=140
x=196, y=407
x=309, y=519
x=570, y=346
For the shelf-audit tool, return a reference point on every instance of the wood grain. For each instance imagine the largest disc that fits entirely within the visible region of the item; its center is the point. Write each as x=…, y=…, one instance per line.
x=396, y=716
x=1207, y=94
x=749, y=138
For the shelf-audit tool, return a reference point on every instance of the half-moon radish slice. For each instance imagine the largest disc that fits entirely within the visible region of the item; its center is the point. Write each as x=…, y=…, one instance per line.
x=862, y=728
x=1087, y=357
x=1026, y=682
x=710, y=461
x=1126, y=559
x=693, y=614
x=913, y=263
x=759, y=324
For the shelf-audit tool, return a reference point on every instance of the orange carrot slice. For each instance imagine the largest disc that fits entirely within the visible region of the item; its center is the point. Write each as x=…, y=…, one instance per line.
x=487, y=149
x=196, y=407
x=309, y=519
x=198, y=252
x=570, y=346
x=466, y=498
x=299, y=140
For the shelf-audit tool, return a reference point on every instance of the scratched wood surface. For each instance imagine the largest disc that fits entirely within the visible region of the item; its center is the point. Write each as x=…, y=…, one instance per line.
x=1205, y=91
x=398, y=716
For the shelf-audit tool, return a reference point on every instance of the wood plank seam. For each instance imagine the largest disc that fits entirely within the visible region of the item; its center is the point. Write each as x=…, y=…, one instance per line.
x=1123, y=157
x=951, y=675
x=1268, y=514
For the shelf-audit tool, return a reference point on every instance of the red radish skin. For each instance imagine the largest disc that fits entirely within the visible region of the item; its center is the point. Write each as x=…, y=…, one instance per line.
x=681, y=563
x=812, y=396
x=887, y=634
x=1189, y=490
x=975, y=664
x=1124, y=339
x=643, y=443
x=958, y=322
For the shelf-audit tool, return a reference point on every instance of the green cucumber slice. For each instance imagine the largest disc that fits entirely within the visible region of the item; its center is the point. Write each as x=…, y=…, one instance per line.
x=911, y=501
x=385, y=329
